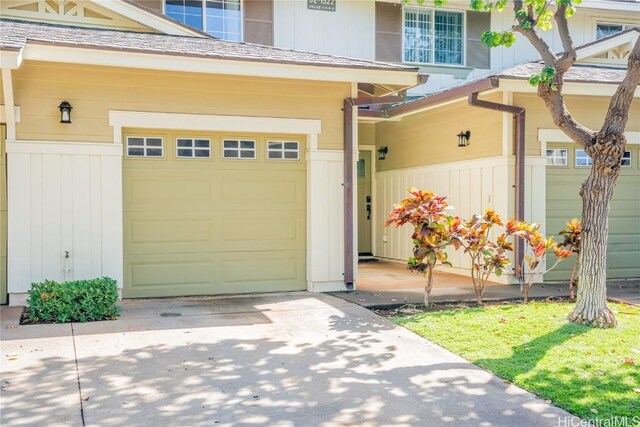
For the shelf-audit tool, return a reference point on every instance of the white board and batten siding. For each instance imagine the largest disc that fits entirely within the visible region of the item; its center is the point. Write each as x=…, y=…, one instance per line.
x=472, y=187
x=63, y=197
x=347, y=31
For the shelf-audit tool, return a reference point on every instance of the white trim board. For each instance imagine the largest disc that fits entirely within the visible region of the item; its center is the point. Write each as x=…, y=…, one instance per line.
x=257, y=68
x=546, y=135
x=209, y=122
x=3, y=114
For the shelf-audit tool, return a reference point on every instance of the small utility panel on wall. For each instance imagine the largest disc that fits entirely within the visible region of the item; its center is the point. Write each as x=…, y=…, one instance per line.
x=326, y=5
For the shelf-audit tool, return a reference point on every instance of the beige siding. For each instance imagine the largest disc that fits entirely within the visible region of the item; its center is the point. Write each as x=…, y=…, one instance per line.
x=431, y=137
x=213, y=226
x=367, y=134
x=93, y=91
x=587, y=110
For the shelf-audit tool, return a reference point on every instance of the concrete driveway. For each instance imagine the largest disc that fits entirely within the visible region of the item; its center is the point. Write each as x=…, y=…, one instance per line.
x=278, y=360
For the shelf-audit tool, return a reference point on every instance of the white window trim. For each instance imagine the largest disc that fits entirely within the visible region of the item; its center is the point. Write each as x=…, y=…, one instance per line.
x=193, y=148
x=433, y=28
x=628, y=23
x=239, y=139
x=283, y=150
x=204, y=18
x=145, y=137
x=566, y=149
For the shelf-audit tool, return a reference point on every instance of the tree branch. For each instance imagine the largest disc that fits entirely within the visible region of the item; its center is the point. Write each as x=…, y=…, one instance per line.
x=569, y=56
x=618, y=113
x=562, y=117
x=548, y=56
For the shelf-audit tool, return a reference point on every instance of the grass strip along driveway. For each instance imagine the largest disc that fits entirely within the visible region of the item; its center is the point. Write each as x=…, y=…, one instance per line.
x=592, y=373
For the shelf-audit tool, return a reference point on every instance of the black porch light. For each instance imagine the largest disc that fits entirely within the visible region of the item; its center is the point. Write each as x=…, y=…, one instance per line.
x=382, y=153
x=463, y=139
x=65, y=112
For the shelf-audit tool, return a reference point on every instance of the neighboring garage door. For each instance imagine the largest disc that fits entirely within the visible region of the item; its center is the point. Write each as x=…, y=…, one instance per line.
x=3, y=217
x=563, y=203
x=234, y=222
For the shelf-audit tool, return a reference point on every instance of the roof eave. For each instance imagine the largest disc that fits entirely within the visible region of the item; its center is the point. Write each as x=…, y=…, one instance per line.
x=35, y=51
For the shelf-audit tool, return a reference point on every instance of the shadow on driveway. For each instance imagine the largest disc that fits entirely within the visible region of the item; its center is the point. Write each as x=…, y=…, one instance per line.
x=297, y=359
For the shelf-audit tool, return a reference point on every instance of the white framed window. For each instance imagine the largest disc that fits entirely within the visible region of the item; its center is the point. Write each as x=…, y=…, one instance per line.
x=557, y=157
x=219, y=18
x=283, y=150
x=198, y=148
x=605, y=29
x=582, y=159
x=433, y=36
x=238, y=148
x=626, y=159
x=145, y=146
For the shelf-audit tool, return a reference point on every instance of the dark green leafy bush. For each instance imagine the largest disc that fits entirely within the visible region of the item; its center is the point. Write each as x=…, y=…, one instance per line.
x=79, y=301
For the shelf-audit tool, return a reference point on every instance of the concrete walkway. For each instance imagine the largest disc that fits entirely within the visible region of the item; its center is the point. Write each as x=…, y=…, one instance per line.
x=277, y=360
x=386, y=283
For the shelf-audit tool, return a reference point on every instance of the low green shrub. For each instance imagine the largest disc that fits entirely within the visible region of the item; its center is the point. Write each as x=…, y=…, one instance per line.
x=78, y=301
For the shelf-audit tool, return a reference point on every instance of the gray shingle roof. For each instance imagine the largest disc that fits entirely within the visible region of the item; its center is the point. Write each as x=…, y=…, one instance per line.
x=577, y=73
x=15, y=35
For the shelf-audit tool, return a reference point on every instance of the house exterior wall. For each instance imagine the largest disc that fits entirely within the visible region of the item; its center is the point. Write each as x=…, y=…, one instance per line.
x=430, y=137
x=93, y=91
x=472, y=186
x=349, y=31
x=587, y=110
x=485, y=179
x=65, y=180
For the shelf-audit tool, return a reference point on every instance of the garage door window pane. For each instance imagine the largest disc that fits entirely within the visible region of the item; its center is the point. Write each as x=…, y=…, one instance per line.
x=239, y=149
x=582, y=159
x=144, y=146
x=557, y=157
x=626, y=159
x=288, y=150
x=190, y=148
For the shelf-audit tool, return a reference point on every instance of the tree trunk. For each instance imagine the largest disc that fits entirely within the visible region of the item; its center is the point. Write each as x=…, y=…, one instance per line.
x=591, y=305
x=427, y=288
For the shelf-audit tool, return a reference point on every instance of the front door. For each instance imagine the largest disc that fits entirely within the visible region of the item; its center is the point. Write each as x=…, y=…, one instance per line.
x=364, y=203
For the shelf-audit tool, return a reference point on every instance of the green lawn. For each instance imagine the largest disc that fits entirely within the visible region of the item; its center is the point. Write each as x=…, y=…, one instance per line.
x=592, y=373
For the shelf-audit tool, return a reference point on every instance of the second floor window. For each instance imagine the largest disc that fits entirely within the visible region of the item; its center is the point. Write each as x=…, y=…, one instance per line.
x=606, y=29
x=219, y=18
x=433, y=36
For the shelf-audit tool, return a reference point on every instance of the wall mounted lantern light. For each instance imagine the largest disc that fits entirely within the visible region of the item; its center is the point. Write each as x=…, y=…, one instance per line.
x=65, y=112
x=382, y=153
x=463, y=139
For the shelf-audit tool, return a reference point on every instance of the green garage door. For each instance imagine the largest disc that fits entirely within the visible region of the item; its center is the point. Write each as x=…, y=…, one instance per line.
x=203, y=220
x=564, y=203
